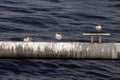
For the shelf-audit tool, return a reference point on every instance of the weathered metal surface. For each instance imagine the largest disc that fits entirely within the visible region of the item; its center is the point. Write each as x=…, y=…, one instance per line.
x=60, y=50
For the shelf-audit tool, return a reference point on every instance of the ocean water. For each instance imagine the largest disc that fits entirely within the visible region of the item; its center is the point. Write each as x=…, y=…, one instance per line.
x=41, y=19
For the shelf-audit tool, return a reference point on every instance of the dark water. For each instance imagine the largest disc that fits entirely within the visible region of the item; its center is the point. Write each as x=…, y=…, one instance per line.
x=41, y=19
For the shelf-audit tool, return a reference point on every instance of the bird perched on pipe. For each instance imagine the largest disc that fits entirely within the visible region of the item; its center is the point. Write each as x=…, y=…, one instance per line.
x=27, y=39
x=98, y=27
x=58, y=36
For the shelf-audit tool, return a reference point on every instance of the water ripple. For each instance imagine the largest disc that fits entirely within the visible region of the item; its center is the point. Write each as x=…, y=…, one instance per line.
x=41, y=19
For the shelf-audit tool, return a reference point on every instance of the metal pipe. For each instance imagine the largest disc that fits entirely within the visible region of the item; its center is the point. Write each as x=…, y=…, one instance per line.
x=96, y=34
x=60, y=50
x=100, y=39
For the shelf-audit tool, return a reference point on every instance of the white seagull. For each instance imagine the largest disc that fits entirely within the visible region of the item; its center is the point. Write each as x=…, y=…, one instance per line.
x=58, y=36
x=98, y=27
x=27, y=39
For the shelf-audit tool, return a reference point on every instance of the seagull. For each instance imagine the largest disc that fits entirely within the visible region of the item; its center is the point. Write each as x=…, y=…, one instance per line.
x=27, y=39
x=58, y=36
x=98, y=27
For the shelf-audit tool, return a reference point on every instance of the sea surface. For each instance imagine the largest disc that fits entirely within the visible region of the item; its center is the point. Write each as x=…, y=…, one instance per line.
x=41, y=19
